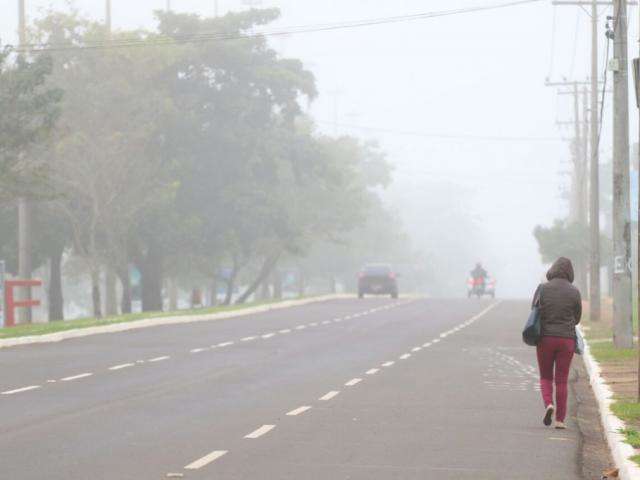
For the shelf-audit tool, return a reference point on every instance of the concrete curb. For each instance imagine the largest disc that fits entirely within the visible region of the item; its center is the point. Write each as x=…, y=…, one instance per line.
x=156, y=322
x=620, y=450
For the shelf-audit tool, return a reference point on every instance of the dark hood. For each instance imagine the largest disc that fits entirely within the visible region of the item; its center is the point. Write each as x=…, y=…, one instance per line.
x=562, y=268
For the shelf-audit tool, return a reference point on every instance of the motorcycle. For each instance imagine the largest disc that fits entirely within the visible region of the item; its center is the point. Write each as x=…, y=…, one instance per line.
x=481, y=287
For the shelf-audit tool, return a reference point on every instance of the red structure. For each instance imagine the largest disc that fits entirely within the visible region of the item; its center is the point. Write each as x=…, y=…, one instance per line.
x=11, y=303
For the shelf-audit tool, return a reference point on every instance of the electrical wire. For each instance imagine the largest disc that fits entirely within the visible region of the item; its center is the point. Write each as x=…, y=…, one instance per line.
x=222, y=36
x=444, y=136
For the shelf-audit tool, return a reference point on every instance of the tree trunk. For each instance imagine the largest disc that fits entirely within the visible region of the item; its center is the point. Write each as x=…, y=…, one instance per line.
x=333, y=288
x=267, y=267
x=151, y=279
x=173, y=295
x=125, y=280
x=301, y=284
x=277, y=285
x=265, y=290
x=95, y=292
x=214, y=292
x=56, y=299
x=111, y=300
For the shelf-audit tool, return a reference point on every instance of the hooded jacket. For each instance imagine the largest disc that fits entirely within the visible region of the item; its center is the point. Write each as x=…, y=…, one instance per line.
x=560, y=302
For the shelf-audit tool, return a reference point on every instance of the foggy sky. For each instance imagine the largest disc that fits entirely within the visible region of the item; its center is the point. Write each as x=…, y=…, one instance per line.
x=478, y=75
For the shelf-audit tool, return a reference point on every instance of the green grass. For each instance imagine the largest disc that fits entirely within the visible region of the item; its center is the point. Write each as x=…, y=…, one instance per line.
x=606, y=352
x=631, y=436
x=636, y=458
x=626, y=411
x=54, y=327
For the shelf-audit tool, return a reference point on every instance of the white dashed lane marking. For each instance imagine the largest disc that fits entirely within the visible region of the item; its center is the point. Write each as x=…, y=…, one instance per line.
x=206, y=460
x=20, y=390
x=263, y=430
x=301, y=327
x=329, y=396
x=286, y=330
x=268, y=335
x=298, y=411
x=353, y=382
x=373, y=371
x=197, y=350
x=387, y=364
x=120, y=367
x=76, y=377
x=405, y=356
x=159, y=359
x=248, y=339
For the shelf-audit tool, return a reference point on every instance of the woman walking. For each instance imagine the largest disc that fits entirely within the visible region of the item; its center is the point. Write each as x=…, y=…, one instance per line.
x=560, y=307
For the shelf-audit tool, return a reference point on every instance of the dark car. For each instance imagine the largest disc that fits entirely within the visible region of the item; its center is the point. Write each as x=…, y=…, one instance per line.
x=377, y=280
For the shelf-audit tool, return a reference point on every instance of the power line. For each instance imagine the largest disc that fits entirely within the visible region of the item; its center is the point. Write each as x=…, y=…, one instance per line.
x=446, y=136
x=158, y=40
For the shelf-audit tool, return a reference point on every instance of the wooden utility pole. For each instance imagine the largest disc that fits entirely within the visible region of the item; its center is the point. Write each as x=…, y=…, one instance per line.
x=24, y=204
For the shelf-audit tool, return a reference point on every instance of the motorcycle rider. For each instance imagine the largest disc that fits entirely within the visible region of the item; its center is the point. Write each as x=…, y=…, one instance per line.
x=479, y=274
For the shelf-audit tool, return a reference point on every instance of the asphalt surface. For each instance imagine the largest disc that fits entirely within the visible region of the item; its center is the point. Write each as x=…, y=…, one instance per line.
x=344, y=389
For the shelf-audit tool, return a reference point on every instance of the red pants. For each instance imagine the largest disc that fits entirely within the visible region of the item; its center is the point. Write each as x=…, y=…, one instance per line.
x=558, y=352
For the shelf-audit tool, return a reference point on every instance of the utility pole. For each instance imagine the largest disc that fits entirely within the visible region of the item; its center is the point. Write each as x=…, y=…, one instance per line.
x=107, y=18
x=586, y=124
x=594, y=171
x=24, y=204
x=579, y=187
x=622, y=295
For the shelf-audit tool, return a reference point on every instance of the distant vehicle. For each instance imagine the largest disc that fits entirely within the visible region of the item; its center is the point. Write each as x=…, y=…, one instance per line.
x=377, y=280
x=481, y=287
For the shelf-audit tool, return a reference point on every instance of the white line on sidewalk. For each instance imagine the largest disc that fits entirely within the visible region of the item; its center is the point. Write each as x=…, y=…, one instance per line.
x=353, y=381
x=76, y=377
x=373, y=371
x=159, y=359
x=120, y=367
x=329, y=396
x=298, y=411
x=206, y=460
x=20, y=390
x=261, y=431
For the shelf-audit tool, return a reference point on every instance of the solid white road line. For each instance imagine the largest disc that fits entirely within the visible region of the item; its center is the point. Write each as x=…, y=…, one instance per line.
x=159, y=359
x=373, y=371
x=206, y=460
x=387, y=364
x=261, y=431
x=286, y=330
x=329, y=396
x=248, y=339
x=298, y=411
x=269, y=335
x=20, y=390
x=76, y=377
x=120, y=367
x=353, y=382
x=405, y=356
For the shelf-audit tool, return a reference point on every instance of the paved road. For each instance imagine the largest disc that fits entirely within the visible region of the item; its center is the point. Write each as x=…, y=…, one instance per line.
x=344, y=389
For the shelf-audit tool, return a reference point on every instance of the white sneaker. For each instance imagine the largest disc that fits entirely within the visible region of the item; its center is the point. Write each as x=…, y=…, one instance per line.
x=548, y=415
x=560, y=426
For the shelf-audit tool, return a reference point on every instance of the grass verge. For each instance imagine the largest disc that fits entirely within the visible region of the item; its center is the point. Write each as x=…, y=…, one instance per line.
x=55, y=327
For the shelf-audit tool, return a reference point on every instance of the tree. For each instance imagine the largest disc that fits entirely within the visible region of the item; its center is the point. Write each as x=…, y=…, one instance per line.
x=29, y=111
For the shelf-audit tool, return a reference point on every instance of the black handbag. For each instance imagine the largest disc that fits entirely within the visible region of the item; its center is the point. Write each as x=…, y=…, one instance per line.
x=532, y=329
